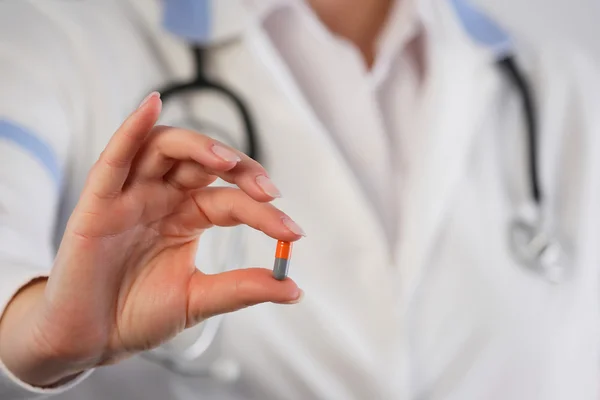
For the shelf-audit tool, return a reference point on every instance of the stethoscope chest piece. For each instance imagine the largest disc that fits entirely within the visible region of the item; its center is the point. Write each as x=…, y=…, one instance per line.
x=538, y=250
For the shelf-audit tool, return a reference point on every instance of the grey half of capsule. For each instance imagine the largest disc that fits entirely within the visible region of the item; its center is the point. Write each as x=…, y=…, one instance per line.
x=280, y=268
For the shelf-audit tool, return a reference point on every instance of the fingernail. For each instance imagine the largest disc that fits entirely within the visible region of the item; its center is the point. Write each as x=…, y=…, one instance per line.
x=298, y=300
x=225, y=154
x=292, y=226
x=147, y=99
x=267, y=186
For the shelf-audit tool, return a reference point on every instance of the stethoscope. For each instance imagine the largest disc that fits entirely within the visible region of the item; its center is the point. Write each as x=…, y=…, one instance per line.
x=532, y=240
x=532, y=243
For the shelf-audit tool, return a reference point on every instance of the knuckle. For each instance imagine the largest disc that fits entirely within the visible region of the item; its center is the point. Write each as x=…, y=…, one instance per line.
x=238, y=289
x=115, y=162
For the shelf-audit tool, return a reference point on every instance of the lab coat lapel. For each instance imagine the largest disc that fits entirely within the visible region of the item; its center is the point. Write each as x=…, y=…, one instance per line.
x=320, y=139
x=459, y=91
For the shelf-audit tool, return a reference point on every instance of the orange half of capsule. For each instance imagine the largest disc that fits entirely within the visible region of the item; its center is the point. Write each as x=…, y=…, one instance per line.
x=283, y=254
x=284, y=250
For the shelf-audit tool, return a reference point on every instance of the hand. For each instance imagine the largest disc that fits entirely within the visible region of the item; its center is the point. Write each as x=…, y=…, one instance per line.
x=124, y=279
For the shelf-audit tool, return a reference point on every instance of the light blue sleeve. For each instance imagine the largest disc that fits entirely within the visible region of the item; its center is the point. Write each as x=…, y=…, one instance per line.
x=11, y=133
x=36, y=129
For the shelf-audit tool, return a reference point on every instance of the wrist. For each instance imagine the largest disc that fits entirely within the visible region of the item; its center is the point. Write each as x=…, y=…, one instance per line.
x=20, y=349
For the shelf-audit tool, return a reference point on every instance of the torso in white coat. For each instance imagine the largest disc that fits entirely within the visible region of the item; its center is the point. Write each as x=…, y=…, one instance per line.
x=443, y=313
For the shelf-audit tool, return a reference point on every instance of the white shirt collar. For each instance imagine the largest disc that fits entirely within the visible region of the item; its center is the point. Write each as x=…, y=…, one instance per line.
x=401, y=25
x=404, y=24
x=209, y=21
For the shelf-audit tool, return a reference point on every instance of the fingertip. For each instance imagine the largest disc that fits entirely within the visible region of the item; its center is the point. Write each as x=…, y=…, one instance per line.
x=297, y=238
x=284, y=291
x=293, y=227
x=151, y=98
x=283, y=228
x=228, y=156
x=150, y=108
x=230, y=291
x=251, y=188
x=298, y=298
x=287, y=236
x=259, y=196
x=222, y=159
x=267, y=187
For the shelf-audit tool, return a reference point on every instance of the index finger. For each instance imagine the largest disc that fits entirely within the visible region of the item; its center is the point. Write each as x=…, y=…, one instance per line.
x=114, y=164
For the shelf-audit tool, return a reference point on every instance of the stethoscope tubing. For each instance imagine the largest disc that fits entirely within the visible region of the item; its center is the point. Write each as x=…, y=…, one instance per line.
x=201, y=82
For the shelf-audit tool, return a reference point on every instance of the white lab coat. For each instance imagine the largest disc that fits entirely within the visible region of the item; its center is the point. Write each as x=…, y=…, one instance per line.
x=444, y=313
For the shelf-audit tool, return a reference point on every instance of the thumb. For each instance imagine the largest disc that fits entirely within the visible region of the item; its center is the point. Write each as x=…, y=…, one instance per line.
x=211, y=295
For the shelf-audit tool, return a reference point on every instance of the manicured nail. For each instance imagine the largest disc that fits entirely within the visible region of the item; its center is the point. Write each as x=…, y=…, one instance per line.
x=292, y=226
x=225, y=154
x=147, y=99
x=298, y=300
x=267, y=186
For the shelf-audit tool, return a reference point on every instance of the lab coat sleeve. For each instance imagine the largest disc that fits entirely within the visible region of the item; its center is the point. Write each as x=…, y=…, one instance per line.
x=38, y=113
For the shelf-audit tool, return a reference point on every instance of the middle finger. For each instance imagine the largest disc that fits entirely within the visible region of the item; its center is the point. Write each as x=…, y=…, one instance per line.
x=166, y=146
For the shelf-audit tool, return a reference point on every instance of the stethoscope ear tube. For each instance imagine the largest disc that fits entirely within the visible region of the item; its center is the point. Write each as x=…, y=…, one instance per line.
x=508, y=65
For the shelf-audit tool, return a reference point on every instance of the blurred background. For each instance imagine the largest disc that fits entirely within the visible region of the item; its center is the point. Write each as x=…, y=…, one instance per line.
x=575, y=21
